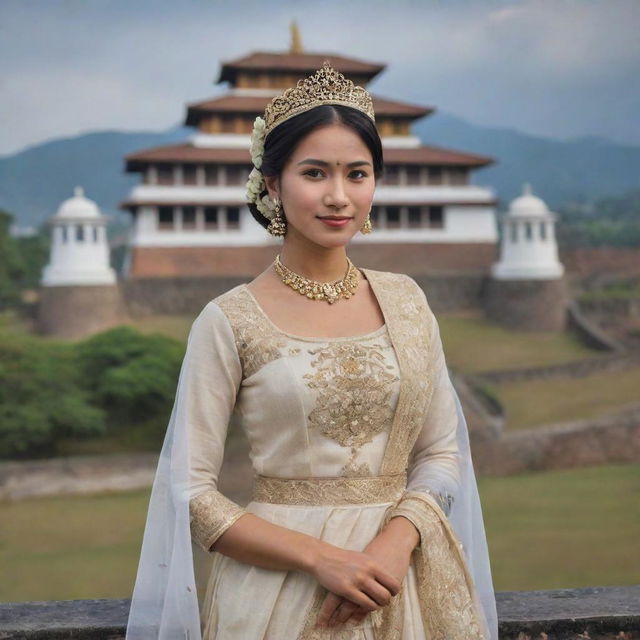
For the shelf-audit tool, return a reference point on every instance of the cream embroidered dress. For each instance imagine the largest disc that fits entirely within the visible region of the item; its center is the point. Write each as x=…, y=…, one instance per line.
x=344, y=433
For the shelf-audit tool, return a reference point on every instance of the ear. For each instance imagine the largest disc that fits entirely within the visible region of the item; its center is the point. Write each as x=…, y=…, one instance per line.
x=273, y=186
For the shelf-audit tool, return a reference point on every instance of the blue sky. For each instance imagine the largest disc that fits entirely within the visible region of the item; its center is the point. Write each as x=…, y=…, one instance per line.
x=559, y=68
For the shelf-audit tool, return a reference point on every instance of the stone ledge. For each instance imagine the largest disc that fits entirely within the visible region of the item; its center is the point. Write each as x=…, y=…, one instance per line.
x=593, y=613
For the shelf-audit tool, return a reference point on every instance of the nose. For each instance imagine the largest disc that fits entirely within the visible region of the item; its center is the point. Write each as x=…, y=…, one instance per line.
x=336, y=195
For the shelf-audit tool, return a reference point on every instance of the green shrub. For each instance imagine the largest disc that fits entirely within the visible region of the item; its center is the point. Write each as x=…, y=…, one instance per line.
x=41, y=399
x=130, y=375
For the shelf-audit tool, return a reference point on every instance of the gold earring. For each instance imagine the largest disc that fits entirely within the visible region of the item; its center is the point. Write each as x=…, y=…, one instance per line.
x=366, y=227
x=277, y=227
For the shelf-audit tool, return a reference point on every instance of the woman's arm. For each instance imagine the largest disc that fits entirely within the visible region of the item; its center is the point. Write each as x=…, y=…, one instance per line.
x=360, y=577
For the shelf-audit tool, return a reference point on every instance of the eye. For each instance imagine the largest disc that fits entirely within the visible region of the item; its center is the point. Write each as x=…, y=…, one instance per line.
x=363, y=174
x=313, y=173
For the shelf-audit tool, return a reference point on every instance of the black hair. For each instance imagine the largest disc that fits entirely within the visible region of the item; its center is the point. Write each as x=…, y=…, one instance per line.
x=281, y=142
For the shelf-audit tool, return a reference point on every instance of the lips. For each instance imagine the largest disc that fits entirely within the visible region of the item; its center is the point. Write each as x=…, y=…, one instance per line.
x=334, y=217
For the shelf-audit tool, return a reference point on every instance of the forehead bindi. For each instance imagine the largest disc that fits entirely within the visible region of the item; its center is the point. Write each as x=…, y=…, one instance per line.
x=334, y=145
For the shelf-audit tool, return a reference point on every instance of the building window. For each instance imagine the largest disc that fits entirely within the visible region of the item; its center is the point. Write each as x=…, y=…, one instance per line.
x=227, y=124
x=188, y=218
x=435, y=175
x=413, y=174
x=211, y=217
x=233, y=217
x=414, y=217
x=436, y=217
x=528, y=231
x=189, y=175
x=458, y=176
x=80, y=233
x=392, y=174
x=165, y=174
x=543, y=231
x=165, y=218
x=211, y=174
x=514, y=231
x=65, y=236
x=393, y=217
x=95, y=234
x=237, y=174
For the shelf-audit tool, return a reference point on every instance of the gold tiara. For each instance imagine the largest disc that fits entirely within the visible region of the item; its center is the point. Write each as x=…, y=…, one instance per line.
x=325, y=86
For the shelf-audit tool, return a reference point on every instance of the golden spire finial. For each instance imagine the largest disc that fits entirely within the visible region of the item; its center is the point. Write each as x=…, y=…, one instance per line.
x=296, y=40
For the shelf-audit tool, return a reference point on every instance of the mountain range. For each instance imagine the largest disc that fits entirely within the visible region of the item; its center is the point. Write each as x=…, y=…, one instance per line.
x=34, y=181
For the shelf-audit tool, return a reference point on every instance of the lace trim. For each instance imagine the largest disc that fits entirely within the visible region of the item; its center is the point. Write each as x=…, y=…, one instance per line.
x=211, y=514
x=330, y=491
x=444, y=499
x=449, y=605
x=409, y=321
x=256, y=341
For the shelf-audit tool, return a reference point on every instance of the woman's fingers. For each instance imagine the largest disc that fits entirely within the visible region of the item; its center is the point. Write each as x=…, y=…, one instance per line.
x=378, y=593
x=343, y=612
x=330, y=604
x=388, y=581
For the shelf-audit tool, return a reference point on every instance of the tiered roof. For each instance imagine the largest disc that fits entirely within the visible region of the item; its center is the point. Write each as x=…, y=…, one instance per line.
x=267, y=73
x=302, y=64
x=255, y=106
x=186, y=153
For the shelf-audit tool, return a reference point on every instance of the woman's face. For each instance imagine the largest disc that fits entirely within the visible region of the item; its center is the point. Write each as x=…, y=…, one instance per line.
x=329, y=175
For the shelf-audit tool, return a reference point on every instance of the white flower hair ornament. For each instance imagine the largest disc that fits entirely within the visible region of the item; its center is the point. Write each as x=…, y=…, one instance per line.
x=256, y=184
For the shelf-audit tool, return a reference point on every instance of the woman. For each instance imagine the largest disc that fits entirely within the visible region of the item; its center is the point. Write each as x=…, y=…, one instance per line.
x=365, y=520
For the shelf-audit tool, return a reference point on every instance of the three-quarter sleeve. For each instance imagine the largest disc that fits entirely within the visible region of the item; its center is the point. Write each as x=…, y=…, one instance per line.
x=209, y=383
x=434, y=463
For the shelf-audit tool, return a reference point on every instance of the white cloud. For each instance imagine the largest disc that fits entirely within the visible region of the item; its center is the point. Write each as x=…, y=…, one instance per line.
x=562, y=67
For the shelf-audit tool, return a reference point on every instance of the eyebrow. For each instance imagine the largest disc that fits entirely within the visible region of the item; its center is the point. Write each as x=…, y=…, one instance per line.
x=322, y=163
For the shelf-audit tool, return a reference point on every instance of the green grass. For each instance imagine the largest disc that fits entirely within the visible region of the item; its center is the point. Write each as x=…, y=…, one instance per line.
x=571, y=528
x=473, y=344
x=538, y=402
x=71, y=547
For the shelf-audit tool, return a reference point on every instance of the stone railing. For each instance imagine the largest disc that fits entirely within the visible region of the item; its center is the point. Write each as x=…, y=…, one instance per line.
x=594, y=613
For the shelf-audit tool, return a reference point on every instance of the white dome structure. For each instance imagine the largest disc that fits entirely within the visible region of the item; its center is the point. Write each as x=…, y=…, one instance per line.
x=79, y=248
x=528, y=250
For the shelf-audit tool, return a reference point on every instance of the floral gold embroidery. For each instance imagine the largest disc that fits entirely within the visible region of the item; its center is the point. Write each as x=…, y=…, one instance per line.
x=256, y=341
x=409, y=320
x=448, y=601
x=354, y=386
x=211, y=514
x=329, y=490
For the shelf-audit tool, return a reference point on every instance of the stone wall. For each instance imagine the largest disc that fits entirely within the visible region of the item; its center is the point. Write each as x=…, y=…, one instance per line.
x=78, y=311
x=76, y=475
x=605, y=308
x=613, y=438
x=594, y=613
x=594, y=263
x=147, y=296
x=533, y=305
x=421, y=258
x=577, y=369
x=588, y=331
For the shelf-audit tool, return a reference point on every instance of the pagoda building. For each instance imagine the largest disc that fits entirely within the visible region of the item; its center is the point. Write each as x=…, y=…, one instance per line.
x=190, y=213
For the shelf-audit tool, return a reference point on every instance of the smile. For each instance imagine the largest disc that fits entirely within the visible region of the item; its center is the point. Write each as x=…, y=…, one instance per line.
x=334, y=221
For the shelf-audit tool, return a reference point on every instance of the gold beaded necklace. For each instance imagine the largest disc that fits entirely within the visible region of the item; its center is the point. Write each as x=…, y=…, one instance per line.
x=314, y=290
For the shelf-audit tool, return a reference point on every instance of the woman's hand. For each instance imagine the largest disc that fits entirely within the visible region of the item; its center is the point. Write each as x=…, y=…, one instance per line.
x=359, y=577
x=392, y=548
